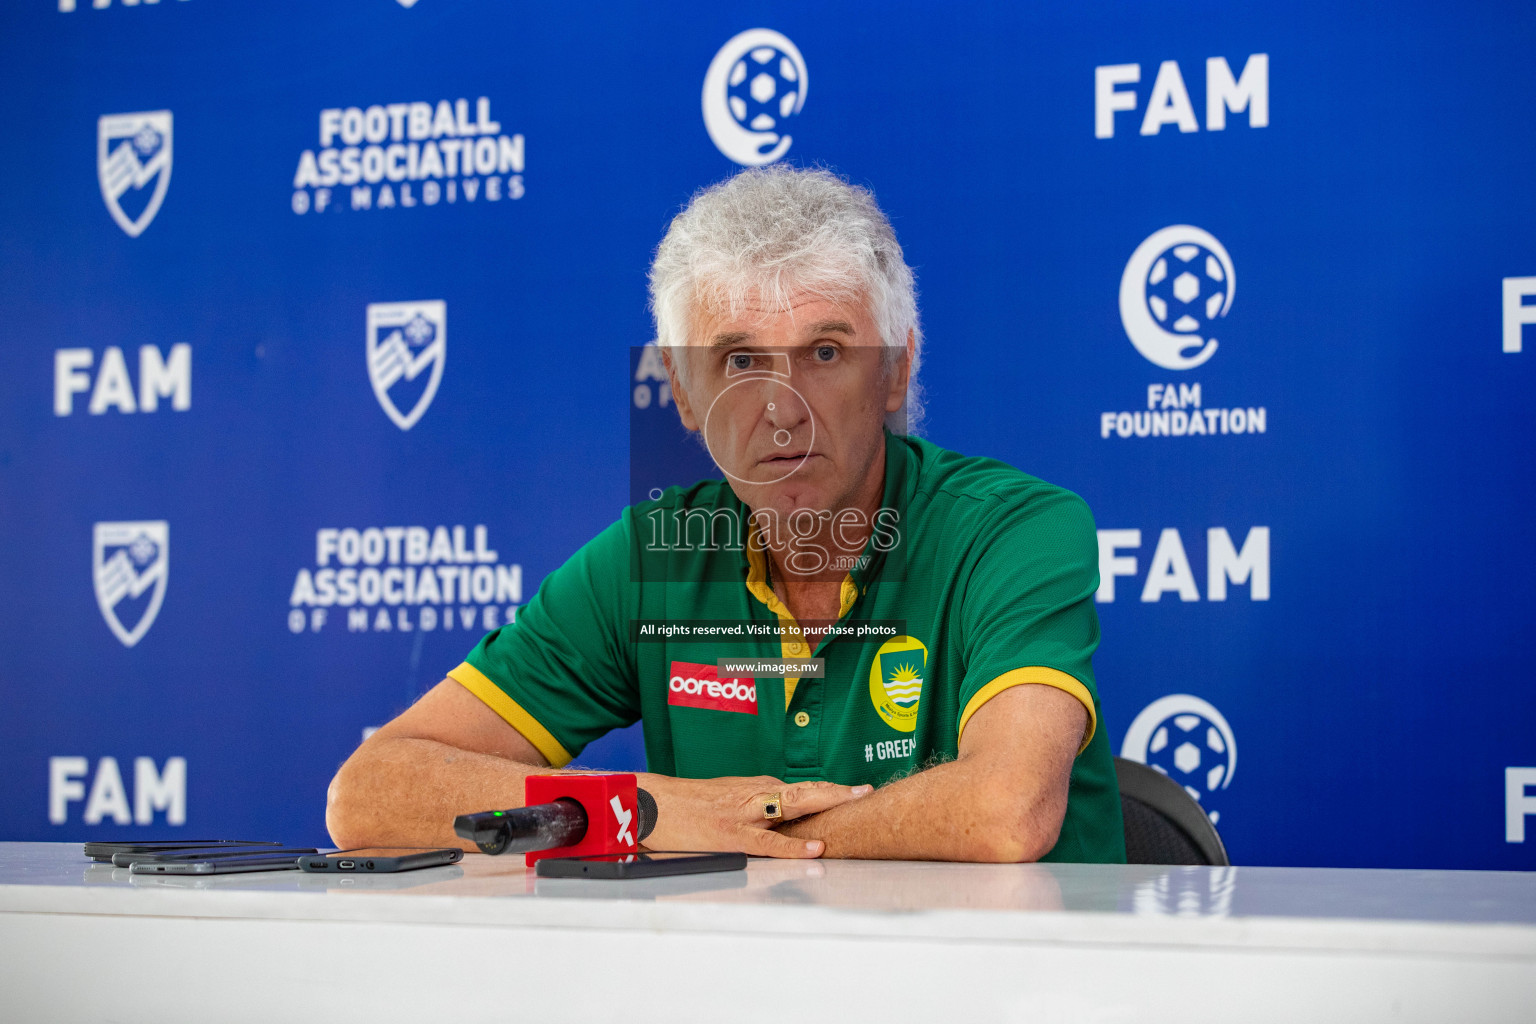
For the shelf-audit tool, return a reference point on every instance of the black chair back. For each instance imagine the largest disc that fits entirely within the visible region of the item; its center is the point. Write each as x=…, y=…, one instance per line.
x=1164, y=824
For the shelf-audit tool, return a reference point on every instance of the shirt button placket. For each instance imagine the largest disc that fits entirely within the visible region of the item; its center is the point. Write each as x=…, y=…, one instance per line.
x=802, y=744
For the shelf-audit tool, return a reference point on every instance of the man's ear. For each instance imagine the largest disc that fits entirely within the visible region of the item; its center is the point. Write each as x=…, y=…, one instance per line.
x=679, y=396
x=897, y=393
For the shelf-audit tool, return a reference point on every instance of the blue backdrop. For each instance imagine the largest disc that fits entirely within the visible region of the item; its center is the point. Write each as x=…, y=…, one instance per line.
x=308, y=302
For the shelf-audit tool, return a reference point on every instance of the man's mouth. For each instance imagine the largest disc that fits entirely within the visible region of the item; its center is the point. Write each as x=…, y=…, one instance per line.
x=781, y=458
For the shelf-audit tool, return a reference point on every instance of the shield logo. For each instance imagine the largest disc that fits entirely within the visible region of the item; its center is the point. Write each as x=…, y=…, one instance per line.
x=902, y=674
x=130, y=563
x=133, y=152
x=896, y=676
x=405, y=341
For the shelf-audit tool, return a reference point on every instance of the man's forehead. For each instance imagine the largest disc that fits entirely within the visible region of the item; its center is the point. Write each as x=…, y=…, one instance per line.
x=719, y=323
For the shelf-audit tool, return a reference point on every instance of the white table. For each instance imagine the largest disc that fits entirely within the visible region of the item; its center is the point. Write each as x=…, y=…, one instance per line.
x=784, y=941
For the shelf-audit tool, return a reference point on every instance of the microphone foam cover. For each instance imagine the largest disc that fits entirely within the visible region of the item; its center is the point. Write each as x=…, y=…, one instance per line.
x=647, y=812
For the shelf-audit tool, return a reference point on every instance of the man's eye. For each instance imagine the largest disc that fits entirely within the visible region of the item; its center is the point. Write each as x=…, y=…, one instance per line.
x=826, y=353
x=741, y=361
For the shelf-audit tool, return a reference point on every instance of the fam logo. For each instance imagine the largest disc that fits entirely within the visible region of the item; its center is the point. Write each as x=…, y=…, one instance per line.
x=1169, y=104
x=754, y=87
x=1518, y=310
x=407, y=346
x=896, y=681
x=154, y=789
x=1179, y=282
x=1187, y=740
x=392, y=155
x=159, y=377
x=133, y=165
x=130, y=563
x=1519, y=804
x=1170, y=571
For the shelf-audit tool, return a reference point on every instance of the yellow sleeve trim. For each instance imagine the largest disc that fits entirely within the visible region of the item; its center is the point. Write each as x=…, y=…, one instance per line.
x=479, y=684
x=1034, y=674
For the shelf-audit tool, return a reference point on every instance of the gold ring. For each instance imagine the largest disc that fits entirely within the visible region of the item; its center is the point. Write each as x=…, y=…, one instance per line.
x=773, y=805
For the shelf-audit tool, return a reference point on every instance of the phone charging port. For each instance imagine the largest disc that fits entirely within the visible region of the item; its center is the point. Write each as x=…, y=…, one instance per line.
x=346, y=865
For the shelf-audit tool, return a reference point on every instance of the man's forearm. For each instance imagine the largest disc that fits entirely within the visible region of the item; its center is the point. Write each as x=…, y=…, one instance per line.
x=403, y=791
x=961, y=810
x=406, y=791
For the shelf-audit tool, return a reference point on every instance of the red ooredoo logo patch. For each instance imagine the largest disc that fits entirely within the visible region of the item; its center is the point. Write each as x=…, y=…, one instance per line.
x=700, y=686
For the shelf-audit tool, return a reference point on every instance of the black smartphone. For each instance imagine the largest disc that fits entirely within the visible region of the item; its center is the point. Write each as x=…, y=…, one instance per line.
x=223, y=863
x=639, y=865
x=126, y=858
x=381, y=858
x=103, y=851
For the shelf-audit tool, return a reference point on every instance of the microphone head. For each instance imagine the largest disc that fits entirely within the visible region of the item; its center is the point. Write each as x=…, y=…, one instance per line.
x=646, y=808
x=558, y=823
x=488, y=830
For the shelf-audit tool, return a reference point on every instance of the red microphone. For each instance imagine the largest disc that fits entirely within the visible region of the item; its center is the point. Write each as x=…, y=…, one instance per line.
x=573, y=815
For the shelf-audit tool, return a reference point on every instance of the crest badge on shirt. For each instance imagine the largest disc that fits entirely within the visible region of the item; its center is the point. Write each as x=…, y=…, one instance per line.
x=896, y=681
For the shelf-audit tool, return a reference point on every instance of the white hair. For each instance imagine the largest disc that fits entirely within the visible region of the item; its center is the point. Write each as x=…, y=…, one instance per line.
x=769, y=234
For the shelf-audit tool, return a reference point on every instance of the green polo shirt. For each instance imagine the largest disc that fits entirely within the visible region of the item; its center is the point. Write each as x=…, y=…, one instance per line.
x=979, y=578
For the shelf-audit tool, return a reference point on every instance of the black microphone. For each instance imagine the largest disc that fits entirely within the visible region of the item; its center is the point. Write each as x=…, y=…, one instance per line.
x=557, y=824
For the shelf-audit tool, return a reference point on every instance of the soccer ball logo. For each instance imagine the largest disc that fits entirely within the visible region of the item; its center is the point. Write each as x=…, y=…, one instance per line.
x=1186, y=288
x=1176, y=285
x=1187, y=740
x=1189, y=749
x=764, y=87
x=755, y=85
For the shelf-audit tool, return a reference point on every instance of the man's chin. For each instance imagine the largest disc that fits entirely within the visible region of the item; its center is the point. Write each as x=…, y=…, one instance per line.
x=784, y=497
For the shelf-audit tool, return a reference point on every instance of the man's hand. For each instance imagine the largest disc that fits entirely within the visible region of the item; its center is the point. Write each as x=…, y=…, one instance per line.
x=450, y=754
x=727, y=814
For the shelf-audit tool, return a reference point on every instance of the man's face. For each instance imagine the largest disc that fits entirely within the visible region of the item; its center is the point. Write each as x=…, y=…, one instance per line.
x=791, y=403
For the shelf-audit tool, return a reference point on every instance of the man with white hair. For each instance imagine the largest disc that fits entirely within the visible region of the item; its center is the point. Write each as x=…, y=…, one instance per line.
x=934, y=612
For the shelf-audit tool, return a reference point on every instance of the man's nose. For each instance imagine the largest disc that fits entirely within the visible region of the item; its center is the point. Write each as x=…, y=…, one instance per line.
x=783, y=408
